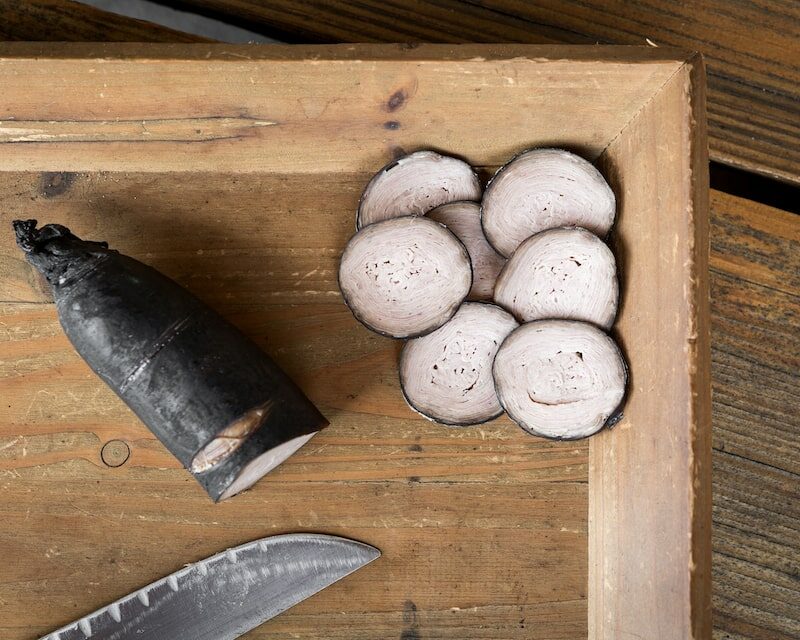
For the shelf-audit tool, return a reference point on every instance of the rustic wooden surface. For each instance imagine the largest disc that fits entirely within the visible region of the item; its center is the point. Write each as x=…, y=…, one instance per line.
x=445, y=506
x=754, y=282
x=92, y=108
x=461, y=557
x=752, y=49
x=755, y=287
x=756, y=320
x=67, y=21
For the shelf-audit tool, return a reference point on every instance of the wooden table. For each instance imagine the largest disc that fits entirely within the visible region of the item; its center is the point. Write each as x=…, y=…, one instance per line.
x=754, y=119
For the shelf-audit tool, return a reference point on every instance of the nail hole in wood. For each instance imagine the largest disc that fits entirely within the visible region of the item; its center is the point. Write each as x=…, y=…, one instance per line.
x=115, y=453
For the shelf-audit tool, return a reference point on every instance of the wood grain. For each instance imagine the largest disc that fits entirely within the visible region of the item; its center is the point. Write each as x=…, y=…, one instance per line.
x=755, y=278
x=67, y=21
x=254, y=225
x=439, y=503
x=755, y=501
x=80, y=112
x=661, y=454
x=752, y=49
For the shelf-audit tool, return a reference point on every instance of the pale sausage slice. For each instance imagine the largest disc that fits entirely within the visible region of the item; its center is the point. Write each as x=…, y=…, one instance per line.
x=447, y=375
x=404, y=277
x=415, y=184
x=464, y=220
x=564, y=273
x=542, y=189
x=560, y=379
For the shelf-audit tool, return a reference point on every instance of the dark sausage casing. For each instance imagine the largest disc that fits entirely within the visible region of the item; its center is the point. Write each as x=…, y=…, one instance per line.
x=184, y=370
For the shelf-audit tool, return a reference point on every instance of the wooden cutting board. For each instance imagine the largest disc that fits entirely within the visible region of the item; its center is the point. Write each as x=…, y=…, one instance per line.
x=237, y=171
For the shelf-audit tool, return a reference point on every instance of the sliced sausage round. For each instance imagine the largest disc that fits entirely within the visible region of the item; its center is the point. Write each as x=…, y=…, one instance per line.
x=560, y=379
x=564, y=273
x=464, y=220
x=542, y=189
x=415, y=184
x=404, y=277
x=447, y=375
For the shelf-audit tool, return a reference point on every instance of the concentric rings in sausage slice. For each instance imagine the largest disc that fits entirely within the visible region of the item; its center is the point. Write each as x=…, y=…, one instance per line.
x=564, y=273
x=415, y=184
x=447, y=375
x=542, y=189
x=560, y=379
x=404, y=277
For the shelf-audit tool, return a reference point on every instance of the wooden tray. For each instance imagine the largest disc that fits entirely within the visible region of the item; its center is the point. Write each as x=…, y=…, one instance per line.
x=236, y=170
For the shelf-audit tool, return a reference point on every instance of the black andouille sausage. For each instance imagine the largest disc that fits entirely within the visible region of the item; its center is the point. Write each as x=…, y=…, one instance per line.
x=183, y=369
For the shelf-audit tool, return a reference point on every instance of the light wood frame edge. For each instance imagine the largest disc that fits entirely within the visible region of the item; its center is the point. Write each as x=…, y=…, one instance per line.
x=603, y=594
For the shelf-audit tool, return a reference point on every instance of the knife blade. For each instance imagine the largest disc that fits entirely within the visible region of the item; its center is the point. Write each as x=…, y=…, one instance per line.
x=228, y=594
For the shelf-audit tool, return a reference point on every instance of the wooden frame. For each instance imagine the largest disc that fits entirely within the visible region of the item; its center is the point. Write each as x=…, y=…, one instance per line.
x=105, y=138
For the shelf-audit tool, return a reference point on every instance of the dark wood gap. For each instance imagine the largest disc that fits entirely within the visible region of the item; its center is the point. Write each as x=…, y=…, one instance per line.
x=756, y=187
x=235, y=19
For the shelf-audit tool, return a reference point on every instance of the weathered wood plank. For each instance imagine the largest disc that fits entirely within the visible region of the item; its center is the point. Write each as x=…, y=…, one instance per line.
x=756, y=542
x=668, y=418
x=211, y=227
x=113, y=113
x=752, y=49
x=755, y=286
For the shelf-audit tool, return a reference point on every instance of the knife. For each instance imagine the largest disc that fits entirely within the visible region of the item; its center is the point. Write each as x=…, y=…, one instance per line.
x=226, y=595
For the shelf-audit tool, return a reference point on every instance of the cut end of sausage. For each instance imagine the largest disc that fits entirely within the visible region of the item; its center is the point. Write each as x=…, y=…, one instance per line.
x=404, y=277
x=447, y=375
x=228, y=441
x=561, y=273
x=415, y=184
x=464, y=220
x=560, y=379
x=543, y=189
x=263, y=464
